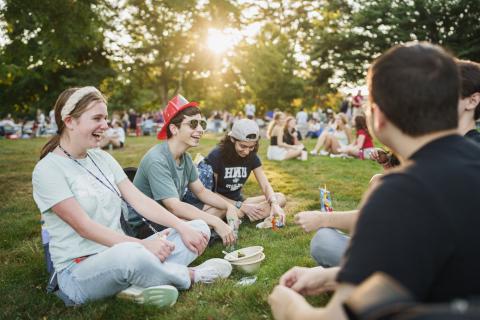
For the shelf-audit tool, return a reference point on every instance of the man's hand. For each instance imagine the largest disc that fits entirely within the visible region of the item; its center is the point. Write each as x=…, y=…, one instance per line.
x=275, y=209
x=253, y=211
x=381, y=157
x=311, y=220
x=225, y=232
x=194, y=240
x=310, y=281
x=232, y=212
x=285, y=303
x=159, y=246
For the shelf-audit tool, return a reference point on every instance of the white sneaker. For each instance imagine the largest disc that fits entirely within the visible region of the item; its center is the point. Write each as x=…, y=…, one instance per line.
x=160, y=296
x=211, y=270
x=324, y=153
x=313, y=153
x=340, y=155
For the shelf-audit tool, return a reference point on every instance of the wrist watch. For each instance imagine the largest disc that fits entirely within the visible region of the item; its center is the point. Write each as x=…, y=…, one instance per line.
x=238, y=204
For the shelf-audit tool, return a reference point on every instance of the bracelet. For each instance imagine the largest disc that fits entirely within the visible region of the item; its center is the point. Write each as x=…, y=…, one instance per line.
x=238, y=204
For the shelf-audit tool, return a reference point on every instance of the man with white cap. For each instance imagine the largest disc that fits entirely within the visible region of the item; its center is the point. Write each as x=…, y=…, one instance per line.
x=232, y=161
x=167, y=169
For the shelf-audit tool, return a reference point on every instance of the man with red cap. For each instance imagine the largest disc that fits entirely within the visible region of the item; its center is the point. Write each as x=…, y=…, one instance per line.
x=167, y=169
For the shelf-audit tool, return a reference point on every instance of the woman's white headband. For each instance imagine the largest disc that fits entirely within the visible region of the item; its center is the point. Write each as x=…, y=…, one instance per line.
x=74, y=98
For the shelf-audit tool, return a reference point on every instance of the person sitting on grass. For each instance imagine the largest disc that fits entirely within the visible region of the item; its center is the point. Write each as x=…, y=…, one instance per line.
x=403, y=221
x=333, y=138
x=278, y=149
x=328, y=245
x=290, y=134
x=80, y=190
x=363, y=145
x=114, y=136
x=469, y=106
x=166, y=170
x=232, y=161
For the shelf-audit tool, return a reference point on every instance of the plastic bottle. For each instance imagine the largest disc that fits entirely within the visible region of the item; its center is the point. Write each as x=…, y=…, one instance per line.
x=234, y=225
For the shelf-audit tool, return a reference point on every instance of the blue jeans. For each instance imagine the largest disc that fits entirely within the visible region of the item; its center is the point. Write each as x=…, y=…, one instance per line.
x=125, y=264
x=328, y=246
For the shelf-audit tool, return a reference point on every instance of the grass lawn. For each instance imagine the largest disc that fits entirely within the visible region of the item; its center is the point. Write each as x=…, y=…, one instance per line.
x=23, y=275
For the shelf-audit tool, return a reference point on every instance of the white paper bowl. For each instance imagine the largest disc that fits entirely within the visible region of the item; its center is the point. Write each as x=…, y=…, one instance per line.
x=249, y=254
x=250, y=266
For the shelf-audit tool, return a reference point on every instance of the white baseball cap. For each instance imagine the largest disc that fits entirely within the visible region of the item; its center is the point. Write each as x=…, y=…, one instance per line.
x=245, y=130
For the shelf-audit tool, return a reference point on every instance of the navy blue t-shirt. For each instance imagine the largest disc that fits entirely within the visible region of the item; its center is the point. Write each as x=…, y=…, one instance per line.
x=231, y=178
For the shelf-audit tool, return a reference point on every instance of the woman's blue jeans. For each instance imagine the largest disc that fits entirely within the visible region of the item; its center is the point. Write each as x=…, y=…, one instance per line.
x=125, y=264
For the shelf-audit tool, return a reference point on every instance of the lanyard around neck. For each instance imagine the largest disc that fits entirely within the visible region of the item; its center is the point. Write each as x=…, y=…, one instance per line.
x=111, y=187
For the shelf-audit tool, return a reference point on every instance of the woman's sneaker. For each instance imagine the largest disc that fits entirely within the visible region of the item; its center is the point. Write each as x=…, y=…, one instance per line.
x=324, y=153
x=211, y=270
x=160, y=296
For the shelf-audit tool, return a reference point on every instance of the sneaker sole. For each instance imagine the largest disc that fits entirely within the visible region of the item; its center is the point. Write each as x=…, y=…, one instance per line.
x=159, y=296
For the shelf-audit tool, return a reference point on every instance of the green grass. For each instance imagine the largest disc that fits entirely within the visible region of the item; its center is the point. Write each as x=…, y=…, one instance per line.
x=23, y=276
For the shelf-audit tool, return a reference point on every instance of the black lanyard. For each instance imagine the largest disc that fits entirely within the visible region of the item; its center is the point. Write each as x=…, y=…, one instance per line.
x=109, y=186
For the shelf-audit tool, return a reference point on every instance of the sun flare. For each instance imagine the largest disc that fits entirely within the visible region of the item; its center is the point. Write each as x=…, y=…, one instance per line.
x=218, y=41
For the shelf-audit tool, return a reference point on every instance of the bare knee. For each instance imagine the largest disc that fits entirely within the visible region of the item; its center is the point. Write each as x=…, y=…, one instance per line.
x=281, y=199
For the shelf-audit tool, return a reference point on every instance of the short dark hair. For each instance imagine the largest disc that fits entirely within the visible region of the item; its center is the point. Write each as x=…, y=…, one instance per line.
x=417, y=88
x=177, y=120
x=470, y=79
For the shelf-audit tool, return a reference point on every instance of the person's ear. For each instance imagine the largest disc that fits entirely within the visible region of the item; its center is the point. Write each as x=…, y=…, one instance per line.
x=380, y=120
x=173, y=129
x=68, y=121
x=473, y=101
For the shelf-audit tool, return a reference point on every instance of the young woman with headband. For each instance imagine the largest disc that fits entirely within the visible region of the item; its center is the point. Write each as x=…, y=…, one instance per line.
x=80, y=190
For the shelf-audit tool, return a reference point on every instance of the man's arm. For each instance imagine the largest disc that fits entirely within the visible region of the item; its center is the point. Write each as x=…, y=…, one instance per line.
x=186, y=211
x=287, y=304
x=211, y=198
x=314, y=220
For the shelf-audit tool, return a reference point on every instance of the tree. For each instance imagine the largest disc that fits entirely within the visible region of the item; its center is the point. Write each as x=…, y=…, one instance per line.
x=268, y=68
x=350, y=34
x=53, y=45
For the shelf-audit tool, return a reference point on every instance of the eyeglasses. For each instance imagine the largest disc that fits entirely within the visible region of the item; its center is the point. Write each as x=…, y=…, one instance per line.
x=195, y=122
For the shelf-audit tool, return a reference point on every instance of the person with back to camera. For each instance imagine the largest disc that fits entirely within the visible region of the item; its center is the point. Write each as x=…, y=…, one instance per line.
x=232, y=161
x=419, y=223
x=328, y=245
x=469, y=106
x=80, y=190
x=278, y=149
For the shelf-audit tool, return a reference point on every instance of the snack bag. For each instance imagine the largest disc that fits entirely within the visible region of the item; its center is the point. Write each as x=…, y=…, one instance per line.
x=325, y=200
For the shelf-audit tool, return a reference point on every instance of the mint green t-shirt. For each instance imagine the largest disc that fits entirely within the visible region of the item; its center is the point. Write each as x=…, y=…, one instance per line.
x=56, y=178
x=159, y=177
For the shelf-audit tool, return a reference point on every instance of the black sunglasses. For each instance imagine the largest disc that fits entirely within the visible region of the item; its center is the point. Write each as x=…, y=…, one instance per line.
x=195, y=122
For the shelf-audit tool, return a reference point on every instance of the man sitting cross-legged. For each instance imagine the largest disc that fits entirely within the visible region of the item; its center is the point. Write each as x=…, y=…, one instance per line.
x=167, y=169
x=419, y=223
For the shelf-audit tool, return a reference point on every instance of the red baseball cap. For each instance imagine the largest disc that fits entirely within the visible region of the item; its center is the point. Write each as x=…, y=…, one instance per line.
x=174, y=106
